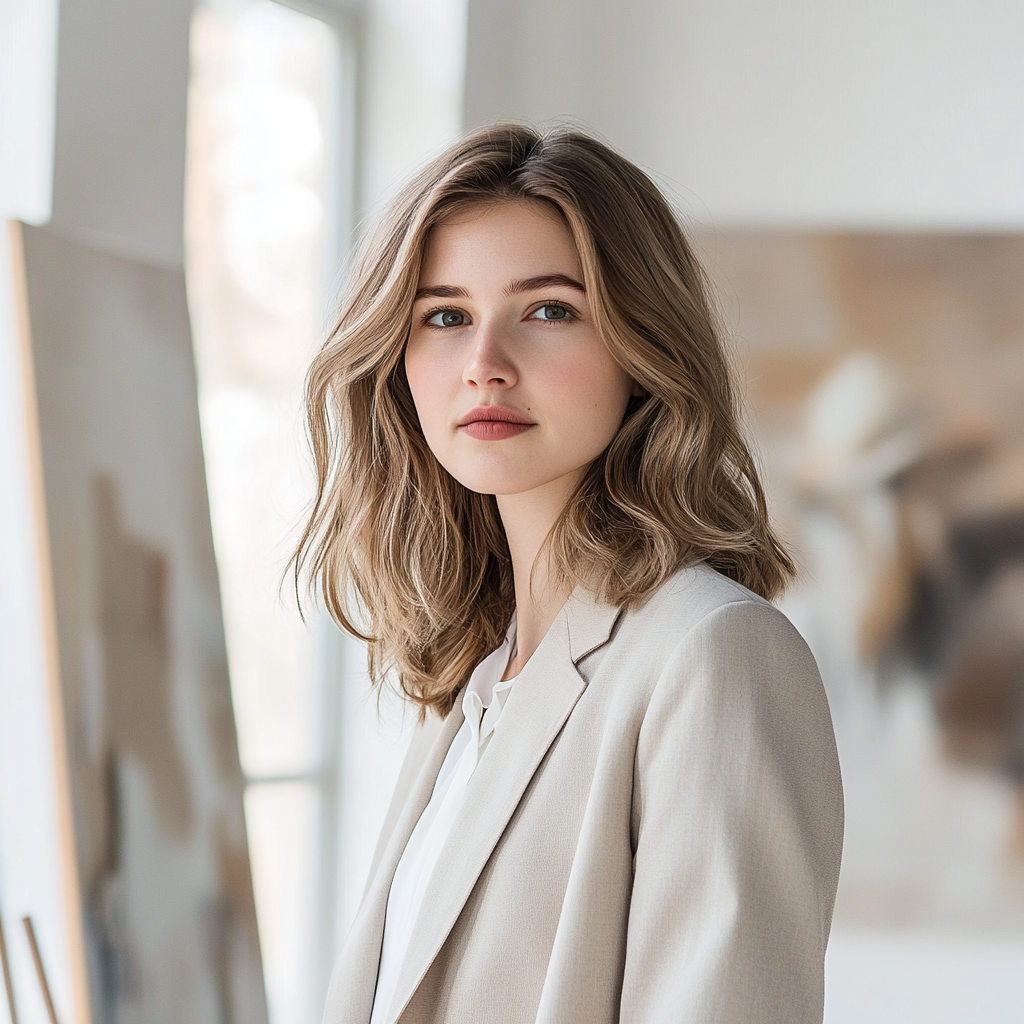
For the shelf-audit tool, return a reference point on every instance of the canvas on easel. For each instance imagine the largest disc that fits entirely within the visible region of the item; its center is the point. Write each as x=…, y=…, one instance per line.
x=159, y=856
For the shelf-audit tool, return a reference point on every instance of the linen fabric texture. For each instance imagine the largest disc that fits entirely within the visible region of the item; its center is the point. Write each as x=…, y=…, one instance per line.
x=653, y=834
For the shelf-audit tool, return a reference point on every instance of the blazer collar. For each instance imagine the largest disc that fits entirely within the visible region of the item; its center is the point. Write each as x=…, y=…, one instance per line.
x=588, y=623
x=543, y=697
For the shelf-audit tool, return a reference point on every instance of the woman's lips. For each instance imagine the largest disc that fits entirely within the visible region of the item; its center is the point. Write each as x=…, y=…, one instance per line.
x=494, y=423
x=494, y=430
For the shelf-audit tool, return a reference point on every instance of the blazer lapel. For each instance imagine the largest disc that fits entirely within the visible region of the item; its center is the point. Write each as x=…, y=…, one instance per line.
x=354, y=980
x=538, y=705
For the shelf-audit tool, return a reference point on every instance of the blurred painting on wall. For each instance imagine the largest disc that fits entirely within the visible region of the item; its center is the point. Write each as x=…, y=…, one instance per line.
x=156, y=788
x=885, y=374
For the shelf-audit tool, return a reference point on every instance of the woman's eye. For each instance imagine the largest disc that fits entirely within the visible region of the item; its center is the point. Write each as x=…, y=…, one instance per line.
x=448, y=318
x=551, y=311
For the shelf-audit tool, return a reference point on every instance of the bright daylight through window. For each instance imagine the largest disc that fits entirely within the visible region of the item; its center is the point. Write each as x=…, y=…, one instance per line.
x=265, y=149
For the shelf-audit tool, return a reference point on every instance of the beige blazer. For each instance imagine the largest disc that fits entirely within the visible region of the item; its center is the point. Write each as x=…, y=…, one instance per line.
x=653, y=834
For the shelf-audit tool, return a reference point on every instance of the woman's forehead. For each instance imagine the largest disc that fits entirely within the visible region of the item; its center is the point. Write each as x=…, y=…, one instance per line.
x=522, y=237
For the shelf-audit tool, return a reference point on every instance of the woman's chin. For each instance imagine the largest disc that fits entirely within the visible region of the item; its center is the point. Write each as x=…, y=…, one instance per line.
x=497, y=487
x=554, y=487
x=498, y=481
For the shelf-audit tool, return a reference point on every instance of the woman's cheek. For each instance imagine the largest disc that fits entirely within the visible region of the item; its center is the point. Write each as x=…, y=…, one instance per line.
x=588, y=389
x=427, y=375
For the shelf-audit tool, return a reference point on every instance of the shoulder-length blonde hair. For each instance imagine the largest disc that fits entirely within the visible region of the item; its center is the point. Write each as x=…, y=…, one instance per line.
x=416, y=564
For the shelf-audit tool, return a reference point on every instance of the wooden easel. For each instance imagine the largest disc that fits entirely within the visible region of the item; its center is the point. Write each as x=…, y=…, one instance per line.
x=8, y=980
x=44, y=984
x=37, y=959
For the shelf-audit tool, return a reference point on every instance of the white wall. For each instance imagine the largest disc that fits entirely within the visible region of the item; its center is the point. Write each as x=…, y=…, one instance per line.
x=28, y=62
x=795, y=112
x=119, y=176
x=411, y=90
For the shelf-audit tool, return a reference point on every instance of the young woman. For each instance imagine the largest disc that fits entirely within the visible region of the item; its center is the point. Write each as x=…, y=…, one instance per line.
x=535, y=503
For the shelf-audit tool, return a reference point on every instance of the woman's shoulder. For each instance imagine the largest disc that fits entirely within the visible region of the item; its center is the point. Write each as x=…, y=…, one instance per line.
x=701, y=625
x=725, y=665
x=699, y=596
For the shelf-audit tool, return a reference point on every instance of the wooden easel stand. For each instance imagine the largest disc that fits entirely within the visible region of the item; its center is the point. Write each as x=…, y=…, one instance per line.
x=40, y=970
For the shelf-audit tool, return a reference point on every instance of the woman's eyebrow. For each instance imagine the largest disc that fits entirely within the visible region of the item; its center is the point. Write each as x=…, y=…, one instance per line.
x=526, y=284
x=529, y=284
x=442, y=291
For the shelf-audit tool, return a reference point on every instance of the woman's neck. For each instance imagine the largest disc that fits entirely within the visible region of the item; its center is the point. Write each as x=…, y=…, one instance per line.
x=528, y=519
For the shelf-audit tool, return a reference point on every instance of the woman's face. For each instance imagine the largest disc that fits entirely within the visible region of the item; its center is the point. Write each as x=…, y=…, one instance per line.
x=514, y=388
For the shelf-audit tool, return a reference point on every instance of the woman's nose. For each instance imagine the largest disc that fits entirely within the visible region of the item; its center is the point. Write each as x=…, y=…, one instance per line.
x=489, y=363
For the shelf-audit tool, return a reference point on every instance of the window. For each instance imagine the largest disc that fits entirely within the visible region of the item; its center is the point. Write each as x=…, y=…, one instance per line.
x=268, y=157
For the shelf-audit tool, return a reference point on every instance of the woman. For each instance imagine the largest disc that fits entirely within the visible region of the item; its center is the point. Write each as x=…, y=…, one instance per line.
x=623, y=800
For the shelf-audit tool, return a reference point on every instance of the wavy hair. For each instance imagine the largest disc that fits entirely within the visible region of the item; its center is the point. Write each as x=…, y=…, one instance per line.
x=407, y=558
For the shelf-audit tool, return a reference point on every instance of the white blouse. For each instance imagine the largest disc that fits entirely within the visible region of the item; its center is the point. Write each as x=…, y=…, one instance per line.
x=482, y=702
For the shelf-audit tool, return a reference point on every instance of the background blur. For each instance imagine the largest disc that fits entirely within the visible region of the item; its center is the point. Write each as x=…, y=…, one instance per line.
x=853, y=176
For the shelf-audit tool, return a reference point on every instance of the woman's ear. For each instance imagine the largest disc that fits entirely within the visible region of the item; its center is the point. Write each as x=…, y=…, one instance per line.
x=637, y=391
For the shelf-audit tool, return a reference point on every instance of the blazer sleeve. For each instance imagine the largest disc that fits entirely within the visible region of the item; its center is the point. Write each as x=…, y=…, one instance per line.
x=737, y=827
